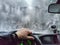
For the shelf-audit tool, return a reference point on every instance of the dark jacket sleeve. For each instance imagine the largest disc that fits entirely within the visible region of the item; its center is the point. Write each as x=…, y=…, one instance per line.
x=8, y=38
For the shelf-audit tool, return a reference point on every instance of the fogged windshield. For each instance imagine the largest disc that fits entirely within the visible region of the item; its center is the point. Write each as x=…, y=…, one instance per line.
x=32, y=14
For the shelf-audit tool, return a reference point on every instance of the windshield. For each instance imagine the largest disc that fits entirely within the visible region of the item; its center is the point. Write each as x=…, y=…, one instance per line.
x=33, y=14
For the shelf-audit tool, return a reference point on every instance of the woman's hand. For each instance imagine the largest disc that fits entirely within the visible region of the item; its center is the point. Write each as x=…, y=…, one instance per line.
x=23, y=33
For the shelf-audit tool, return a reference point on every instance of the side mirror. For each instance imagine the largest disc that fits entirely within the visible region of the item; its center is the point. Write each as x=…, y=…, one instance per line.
x=54, y=8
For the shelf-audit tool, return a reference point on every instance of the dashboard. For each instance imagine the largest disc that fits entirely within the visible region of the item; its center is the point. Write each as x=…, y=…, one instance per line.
x=44, y=40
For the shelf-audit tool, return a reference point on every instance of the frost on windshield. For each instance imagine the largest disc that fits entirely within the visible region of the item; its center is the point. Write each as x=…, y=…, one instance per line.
x=33, y=14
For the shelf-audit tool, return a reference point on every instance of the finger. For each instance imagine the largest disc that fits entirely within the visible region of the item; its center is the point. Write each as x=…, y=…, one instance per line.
x=29, y=32
x=30, y=37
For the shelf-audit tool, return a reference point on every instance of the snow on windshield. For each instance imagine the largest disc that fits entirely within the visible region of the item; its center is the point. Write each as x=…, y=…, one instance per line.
x=33, y=14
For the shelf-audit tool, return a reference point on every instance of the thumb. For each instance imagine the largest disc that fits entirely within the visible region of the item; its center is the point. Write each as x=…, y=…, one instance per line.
x=30, y=37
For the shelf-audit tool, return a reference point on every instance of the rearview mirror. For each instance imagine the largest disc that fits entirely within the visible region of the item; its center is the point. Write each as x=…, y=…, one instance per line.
x=54, y=8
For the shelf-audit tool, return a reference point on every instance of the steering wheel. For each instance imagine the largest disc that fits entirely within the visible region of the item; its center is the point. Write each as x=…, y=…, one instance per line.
x=36, y=41
x=50, y=39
